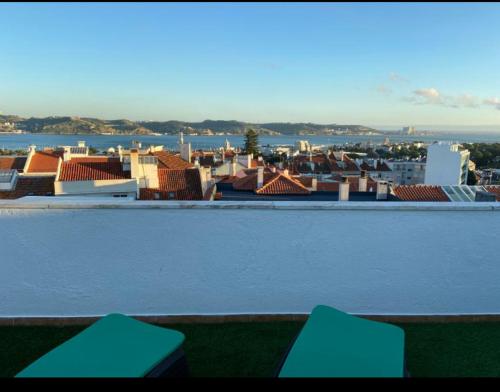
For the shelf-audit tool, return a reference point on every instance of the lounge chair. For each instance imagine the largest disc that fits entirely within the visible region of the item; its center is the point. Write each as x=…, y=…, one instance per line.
x=115, y=346
x=335, y=344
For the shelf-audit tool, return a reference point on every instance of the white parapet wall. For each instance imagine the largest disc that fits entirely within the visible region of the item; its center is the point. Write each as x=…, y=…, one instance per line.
x=76, y=257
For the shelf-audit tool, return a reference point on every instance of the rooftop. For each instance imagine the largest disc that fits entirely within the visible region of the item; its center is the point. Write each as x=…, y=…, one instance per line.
x=44, y=162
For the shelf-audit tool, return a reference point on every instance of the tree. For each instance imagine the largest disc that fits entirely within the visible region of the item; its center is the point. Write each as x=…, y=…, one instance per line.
x=471, y=178
x=252, y=142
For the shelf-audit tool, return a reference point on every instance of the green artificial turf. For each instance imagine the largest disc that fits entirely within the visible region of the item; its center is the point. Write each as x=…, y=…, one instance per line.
x=255, y=348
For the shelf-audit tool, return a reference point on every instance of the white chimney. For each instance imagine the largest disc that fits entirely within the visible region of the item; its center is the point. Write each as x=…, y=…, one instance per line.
x=186, y=152
x=314, y=185
x=273, y=169
x=285, y=172
x=382, y=190
x=260, y=177
x=344, y=189
x=249, y=160
x=81, y=143
x=67, y=154
x=363, y=181
x=232, y=167
x=134, y=163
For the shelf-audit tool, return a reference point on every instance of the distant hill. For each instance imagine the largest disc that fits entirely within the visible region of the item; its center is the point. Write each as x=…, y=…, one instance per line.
x=84, y=125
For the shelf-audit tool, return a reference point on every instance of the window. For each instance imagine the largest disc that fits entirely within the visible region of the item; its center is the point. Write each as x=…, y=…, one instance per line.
x=171, y=195
x=157, y=195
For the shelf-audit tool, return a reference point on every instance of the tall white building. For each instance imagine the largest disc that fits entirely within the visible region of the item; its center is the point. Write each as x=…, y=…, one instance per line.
x=446, y=164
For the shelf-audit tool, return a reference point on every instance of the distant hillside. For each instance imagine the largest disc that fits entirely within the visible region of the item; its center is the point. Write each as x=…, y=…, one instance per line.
x=83, y=125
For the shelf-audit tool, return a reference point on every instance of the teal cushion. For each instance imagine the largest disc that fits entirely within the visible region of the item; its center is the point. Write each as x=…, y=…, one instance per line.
x=335, y=344
x=114, y=346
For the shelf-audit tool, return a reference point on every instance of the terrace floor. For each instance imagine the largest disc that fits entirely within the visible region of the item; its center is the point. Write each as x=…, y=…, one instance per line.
x=254, y=349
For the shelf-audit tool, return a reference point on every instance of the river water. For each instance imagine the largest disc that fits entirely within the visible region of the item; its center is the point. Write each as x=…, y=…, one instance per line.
x=22, y=141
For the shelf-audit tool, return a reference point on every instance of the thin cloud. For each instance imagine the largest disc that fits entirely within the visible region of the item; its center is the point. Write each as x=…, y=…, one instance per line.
x=395, y=77
x=382, y=89
x=495, y=101
x=432, y=96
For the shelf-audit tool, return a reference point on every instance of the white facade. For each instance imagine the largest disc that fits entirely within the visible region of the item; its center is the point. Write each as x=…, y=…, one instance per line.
x=407, y=172
x=446, y=164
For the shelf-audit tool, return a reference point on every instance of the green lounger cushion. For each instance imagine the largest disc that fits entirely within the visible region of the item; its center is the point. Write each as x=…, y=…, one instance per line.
x=114, y=346
x=335, y=344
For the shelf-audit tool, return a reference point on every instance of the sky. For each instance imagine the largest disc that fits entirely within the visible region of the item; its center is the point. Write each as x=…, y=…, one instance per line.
x=376, y=64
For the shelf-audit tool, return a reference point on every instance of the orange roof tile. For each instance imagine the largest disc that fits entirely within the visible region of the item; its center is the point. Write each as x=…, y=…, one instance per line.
x=182, y=184
x=280, y=184
x=324, y=186
x=495, y=189
x=420, y=193
x=167, y=160
x=44, y=162
x=12, y=163
x=93, y=169
x=30, y=186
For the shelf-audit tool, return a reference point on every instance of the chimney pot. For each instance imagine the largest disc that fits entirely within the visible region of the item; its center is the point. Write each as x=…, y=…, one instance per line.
x=344, y=189
x=260, y=177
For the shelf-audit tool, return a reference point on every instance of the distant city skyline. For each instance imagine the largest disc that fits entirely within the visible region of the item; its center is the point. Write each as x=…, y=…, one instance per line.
x=432, y=66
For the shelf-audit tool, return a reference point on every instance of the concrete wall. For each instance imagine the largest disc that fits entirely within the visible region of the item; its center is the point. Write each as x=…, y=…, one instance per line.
x=85, y=258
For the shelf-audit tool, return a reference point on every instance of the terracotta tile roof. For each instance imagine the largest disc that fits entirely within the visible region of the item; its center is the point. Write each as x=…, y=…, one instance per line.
x=31, y=186
x=347, y=164
x=167, y=160
x=256, y=163
x=495, y=189
x=44, y=162
x=182, y=184
x=280, y=184
x=249, y=182
x=381, y=166
x=324, y=186
x=229, y=154
x=420, y=193
x=226, y=179
x=306, y=181
x=93, y=169
x=12, y=163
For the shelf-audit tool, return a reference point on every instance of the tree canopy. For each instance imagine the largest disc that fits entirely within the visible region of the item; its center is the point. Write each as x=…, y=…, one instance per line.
x=252, y=142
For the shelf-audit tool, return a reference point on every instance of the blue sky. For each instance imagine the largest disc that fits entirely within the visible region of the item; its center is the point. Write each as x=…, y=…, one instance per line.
x=373, y=64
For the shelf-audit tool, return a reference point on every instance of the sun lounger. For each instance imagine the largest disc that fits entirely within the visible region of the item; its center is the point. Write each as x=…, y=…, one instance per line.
x=335, y=344
x=115, y=346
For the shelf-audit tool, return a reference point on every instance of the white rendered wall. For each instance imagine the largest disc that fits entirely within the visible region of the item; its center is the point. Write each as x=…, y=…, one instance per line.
x=443, y=167
x=106, y=187
x=89, y=257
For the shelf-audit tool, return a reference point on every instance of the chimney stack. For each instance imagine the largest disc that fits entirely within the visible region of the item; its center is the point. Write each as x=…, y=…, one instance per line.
x=363, y=181
x=314, y=185
x=382, y=190
x=260, y=177
x=344, y=189
x=232, y=168
x=134, y=163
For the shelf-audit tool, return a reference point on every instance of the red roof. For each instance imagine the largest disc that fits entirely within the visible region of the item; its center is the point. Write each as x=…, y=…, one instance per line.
x=420, y=193
x=182, y=184
x=495, y=189
x=30, y=186
x=13, y=163
x=44, y=162
x=249, y=182
x=280, y=184
x=167, y=160
x=323, y=186
x=226, y=179
x=93, y=169
x=381, y=166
